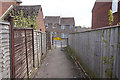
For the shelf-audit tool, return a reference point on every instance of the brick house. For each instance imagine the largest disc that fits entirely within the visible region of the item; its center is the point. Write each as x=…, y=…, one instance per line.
x=35, y=10
x=5, y=4
x=59, y=27
x=100, y=13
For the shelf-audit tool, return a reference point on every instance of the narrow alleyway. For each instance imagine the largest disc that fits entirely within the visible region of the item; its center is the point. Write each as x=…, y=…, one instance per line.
x=57, y=65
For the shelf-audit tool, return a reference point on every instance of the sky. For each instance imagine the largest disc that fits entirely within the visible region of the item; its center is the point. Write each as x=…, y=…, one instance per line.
x=79, y=9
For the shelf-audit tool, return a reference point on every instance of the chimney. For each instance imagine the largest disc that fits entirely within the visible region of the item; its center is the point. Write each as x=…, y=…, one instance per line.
x=18, y=2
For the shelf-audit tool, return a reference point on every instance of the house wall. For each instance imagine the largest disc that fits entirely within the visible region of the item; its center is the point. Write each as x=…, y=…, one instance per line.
x=94, y=50
x=0, y=9
x=5, y=5
x=40, y=21
x=58, y=30
x=100, y=17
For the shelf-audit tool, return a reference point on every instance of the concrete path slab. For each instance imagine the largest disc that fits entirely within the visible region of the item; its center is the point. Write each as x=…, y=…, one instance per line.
x=57, y=65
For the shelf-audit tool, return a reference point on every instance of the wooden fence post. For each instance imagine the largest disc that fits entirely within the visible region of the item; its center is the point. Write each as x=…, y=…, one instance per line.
x=33, y=44
x=11, y=19
x=67, y=42
x=26, y=54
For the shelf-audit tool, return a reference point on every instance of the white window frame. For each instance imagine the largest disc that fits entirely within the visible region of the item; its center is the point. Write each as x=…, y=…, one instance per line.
x=63, y=27
x=46, y=26
x=70, y=27
x=64, y=35
x=114, y=6
x=53, y=27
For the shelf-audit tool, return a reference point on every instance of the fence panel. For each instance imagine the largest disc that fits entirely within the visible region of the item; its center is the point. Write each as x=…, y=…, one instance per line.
x=23, y=52
x=20, y=53
x=37, y=48
x=4, y=50
x=43, y=43
x=98, y=51
x=48, y=40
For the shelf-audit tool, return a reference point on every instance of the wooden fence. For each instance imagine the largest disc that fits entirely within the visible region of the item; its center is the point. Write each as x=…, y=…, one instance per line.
x=37, y=48
x=4, y=50
x=98, y=51
x=21, y=50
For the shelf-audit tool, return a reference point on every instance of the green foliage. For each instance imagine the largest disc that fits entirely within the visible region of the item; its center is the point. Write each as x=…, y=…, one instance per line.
x=118, y=23
x=111, y=18
x=21, y=21
x=108, y=61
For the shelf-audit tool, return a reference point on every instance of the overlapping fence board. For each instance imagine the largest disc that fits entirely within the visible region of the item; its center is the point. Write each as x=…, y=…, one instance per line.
x=43, y=43
x=23, y=51
x=4, y=50
x=37, y=48
x=97, y=46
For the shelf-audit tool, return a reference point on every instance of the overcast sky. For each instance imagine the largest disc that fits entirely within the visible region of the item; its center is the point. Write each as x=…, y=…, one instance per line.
x=79, y=9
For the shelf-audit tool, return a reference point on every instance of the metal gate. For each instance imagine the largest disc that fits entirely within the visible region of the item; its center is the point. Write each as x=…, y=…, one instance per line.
x=23, y=52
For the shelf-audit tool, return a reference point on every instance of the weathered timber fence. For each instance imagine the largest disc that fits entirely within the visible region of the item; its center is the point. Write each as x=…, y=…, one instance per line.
x=43, y=43
x=48, y=40
x=23, y=52
x=20, y=50
x=37, y=48
x=98, y=51
x=4, y=50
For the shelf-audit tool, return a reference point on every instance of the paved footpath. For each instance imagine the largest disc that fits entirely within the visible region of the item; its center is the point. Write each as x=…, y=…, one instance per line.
x=57, y=65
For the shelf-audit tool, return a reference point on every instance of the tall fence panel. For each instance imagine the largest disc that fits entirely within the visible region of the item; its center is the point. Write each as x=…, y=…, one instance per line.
x=4, y=50
x=43, y=43
x=48, y=40
x=37, y=48
x=23, y=52
x=26, y=47
x=98, y=51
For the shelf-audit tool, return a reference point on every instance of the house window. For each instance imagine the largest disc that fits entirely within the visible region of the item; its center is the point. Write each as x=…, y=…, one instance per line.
x=53, y=27
x=63, y=27
x=54, y=34
x=51, y=32
x=63, y=35
x=46, y=25
x=114, y=6
x=71, y=27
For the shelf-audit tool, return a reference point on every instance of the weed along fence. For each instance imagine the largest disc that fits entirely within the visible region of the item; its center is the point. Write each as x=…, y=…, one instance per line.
x=98, y=51
x=21, y=50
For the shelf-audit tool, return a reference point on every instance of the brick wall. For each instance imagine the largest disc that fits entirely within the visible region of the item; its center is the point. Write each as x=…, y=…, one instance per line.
x=100, y=16
x=40, y=21
x=5, y=5
x=0, y=9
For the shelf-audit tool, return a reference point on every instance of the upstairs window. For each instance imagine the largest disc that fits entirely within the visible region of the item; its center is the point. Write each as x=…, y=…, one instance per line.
x=53, y=27
x=71, y=27
x=63, y=27
x=114, y=6
x=46, y=25
x=63, y=35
